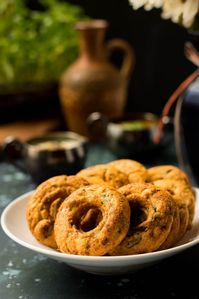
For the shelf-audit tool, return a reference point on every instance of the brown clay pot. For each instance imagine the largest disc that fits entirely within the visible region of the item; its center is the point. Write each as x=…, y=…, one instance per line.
x=92, y=83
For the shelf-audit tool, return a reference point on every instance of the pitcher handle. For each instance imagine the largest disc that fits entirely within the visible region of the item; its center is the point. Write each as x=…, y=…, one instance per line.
x=128, y=55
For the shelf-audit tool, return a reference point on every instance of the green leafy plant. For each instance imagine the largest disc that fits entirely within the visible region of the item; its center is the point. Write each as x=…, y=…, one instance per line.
x=36, y=45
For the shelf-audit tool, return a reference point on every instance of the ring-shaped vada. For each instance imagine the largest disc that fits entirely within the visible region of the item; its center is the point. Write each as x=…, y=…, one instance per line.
x=184, y=198
x=135, y=171
x=44, y=203
x=151, y=219
x=180, y=185
x=103, y=232
x=163, y=172
x=104, y=174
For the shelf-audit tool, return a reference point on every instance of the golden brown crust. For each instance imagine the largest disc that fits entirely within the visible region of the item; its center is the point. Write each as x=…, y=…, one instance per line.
x=108, y=230
x=177, y=182
x=135, y=171
x=151, y=219
x=104, y=173
x=162, y=172
x=185, y=199
x=44, y=203
x=117, y=208
x=173, y=236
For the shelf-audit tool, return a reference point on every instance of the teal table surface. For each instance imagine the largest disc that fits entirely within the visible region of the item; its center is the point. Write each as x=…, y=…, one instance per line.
x=25, y=274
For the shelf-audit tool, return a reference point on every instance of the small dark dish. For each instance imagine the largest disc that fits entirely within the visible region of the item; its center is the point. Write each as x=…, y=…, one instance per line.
x=131, y=135
x=49, y=155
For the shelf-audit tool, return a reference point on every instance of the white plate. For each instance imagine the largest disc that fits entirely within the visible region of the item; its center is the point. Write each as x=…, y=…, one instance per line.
x=13, y=221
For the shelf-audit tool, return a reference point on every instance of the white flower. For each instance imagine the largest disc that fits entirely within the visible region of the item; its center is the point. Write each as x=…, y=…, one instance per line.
x=183, y=11
x=153, y=3
x=173, y=10
x=148, y=4
x=137, y=3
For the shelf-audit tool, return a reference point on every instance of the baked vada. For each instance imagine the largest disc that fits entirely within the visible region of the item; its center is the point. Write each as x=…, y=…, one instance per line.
x=104, y=174
x=184, y=198
x=135, y=171
x=152, y=212
x=105, y=231
x=44, y=203
x=162, y=172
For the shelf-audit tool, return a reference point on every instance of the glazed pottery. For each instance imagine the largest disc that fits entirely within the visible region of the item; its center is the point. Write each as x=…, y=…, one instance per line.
x=92, y=83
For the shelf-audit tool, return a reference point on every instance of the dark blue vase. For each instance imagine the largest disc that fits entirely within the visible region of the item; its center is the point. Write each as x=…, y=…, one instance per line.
x=187, y=131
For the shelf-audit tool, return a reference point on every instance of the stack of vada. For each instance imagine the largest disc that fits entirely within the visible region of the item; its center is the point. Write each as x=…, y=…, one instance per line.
x=117, y=208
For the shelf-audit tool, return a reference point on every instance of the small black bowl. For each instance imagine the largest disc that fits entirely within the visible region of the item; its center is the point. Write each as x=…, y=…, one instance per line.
x=131, y=135
x=49, y=155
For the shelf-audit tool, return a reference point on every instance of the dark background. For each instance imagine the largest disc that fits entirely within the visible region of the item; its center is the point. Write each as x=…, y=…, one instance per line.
x=159, y=49
x=160, y=62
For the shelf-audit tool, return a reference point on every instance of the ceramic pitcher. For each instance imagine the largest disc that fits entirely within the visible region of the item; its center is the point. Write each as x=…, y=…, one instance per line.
x=92, y=83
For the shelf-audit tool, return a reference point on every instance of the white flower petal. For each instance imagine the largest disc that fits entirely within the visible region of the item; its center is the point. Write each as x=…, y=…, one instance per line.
x=148, y=4
x=191, y=8
x=176, y=10
x=137, y=3
x=153, y=3
x=172, y=10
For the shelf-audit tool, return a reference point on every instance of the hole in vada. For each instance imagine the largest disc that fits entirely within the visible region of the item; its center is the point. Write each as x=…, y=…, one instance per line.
x=138, y=215
x=91, y=219
x=88, y=218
